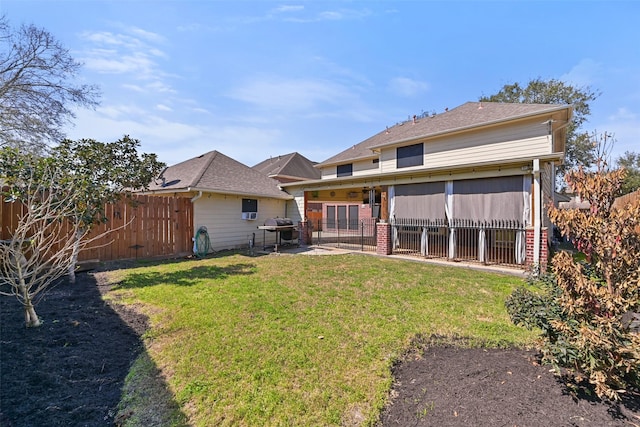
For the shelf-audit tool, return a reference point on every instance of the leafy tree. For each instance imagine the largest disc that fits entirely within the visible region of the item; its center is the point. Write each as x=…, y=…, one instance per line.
x=63, y=196
x=37, y=92
x=98, y=172
x=579, y=150
x=102, y=173
x=630, y=161
x=590, y=315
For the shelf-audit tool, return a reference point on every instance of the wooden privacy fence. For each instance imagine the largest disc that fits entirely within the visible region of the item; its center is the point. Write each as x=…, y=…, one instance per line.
x=143, y=227
x=627, y=198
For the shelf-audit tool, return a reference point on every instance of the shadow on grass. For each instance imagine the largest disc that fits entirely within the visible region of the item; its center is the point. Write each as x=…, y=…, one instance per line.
x=186, y=277
x=71, y=370
x=146, y=399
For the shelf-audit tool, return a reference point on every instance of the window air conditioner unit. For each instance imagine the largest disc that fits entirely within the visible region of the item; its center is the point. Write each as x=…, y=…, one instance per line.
x=250, y=216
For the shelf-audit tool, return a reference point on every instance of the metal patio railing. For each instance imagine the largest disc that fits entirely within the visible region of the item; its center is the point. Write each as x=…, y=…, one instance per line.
x=499, y=242
x=357, y=235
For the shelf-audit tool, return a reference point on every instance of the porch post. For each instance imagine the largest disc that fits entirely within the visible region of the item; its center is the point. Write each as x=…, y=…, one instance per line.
x=537, y=208
x=384, y=203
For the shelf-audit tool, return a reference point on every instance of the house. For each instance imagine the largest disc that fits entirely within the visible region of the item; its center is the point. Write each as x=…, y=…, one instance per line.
x=288, y=168
x=293, y=167
x=468, y=183
x=229, y=198
x=572, y=201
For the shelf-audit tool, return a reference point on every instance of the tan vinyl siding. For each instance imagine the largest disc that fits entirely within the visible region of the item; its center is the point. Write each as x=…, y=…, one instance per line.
x=366, y=167
x=362, y=168
x=295, y=207
x=329, y=172
x=222, y=215
x=506, y=143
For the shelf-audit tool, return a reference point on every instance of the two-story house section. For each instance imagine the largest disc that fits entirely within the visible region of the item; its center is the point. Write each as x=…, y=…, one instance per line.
x=469, y=183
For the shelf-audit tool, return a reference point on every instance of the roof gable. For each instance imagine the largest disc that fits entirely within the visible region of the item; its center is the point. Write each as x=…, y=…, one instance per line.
x=465, y=117
x=293, y=165
x=215, y=172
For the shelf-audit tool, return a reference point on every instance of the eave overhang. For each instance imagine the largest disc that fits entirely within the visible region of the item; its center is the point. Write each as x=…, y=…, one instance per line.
x=389, y=178
x=169, y=191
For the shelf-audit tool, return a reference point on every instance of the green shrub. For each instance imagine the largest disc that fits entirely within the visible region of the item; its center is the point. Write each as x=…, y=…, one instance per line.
x=536, y=308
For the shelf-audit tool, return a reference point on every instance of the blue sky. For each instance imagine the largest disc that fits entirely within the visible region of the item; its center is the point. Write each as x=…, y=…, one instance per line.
x=254, y=79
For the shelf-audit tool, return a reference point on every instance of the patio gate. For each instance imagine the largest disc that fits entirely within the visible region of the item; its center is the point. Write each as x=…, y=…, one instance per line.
x=340, y=233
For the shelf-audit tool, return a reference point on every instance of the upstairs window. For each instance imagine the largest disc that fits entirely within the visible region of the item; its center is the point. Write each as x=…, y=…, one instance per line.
x=345, y=170
x=411, y=155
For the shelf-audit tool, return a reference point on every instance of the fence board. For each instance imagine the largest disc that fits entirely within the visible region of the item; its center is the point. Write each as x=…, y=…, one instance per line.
x=627, y=198
x=152, y=227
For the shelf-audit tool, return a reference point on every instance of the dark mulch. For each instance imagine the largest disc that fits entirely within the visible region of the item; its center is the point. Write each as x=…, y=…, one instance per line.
x=446, y=385
x=70, y=371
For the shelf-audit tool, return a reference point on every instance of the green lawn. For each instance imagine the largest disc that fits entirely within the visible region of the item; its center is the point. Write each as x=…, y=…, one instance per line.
x=303, y=340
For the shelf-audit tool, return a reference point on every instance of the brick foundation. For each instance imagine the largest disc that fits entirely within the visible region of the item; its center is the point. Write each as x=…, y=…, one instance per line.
x=383, y=230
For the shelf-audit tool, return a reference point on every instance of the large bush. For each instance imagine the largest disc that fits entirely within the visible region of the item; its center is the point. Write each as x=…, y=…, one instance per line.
x=588, y=310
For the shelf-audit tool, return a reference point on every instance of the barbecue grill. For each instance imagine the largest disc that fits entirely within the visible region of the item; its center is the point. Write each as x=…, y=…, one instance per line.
x=284, y=229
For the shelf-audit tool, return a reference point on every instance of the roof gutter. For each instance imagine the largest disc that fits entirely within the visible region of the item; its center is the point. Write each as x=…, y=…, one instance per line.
x=285, y=196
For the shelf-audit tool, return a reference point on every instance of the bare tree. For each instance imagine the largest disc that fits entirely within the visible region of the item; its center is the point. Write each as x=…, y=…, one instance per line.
x=39, y=250
x=36, y=87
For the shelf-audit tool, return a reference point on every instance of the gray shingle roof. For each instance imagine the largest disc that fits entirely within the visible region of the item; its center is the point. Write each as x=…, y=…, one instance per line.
x=466, y=116
x=215, y=172
x=293, y=165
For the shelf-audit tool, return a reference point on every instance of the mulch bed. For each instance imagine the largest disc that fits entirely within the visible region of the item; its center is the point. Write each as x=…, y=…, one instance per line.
x=69, y=372
x=446, y=385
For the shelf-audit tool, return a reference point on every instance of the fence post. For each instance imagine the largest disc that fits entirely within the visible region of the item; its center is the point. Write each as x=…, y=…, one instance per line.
x=304, y=233
x=383, y=240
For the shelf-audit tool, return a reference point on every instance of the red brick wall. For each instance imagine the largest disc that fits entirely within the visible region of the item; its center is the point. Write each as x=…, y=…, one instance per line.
x=383, y=238
x=544, y=248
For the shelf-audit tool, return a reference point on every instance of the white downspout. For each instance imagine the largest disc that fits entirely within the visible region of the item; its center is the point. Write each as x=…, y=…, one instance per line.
x=196, y=197
x=537, y=217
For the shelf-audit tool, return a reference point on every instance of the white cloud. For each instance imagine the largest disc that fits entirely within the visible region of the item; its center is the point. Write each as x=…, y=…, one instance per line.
x=159, y=87
x=174, y=140
x=107, y=63
x=288, y=8
x=405, y=86
x=134, y=51
x=585, y=73
x=162, y=107
x=331, y=16
x=147, y=35
x=299, y=14
x=135, y=88
x=291, y=95
x=623, y=114
x=624, y=124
